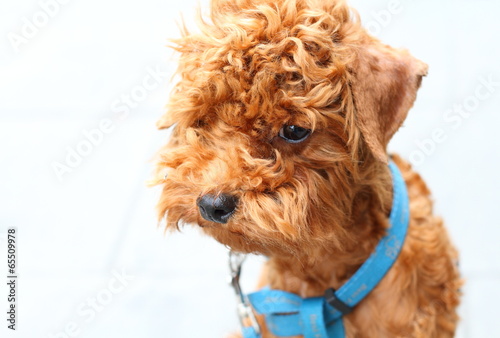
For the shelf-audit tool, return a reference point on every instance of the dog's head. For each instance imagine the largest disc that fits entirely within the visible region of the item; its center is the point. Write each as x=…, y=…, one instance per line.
x=281, y=120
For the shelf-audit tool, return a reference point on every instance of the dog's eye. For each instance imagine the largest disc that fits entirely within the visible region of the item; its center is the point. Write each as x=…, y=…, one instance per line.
x=294, y=134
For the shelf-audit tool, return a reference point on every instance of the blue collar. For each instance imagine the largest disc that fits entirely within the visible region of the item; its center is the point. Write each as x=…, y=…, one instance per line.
x=321, y=317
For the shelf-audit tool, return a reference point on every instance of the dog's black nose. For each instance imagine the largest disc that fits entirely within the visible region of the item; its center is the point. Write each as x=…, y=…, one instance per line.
x=217, y=208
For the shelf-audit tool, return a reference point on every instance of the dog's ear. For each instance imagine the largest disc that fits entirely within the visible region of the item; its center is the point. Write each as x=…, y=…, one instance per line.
x=384, y=85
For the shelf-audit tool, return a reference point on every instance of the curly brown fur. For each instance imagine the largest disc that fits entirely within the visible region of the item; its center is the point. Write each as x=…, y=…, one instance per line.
x=317, y=208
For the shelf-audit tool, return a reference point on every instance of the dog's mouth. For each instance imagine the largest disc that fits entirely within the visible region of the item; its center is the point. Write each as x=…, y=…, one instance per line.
x=228, y=229
x=245, y=237
x=235, y=239
x=210, y=226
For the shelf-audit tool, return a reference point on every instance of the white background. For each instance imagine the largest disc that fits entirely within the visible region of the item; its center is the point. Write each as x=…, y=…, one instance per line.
x=74, y=234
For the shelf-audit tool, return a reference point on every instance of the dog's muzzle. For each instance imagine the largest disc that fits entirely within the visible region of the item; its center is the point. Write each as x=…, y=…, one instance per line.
x=217, y=208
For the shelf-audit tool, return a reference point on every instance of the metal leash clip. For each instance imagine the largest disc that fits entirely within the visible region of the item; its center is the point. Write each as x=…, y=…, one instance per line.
x=245, y=313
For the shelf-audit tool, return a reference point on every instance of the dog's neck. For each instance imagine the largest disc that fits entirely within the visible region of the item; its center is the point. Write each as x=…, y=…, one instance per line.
x=324, y=267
